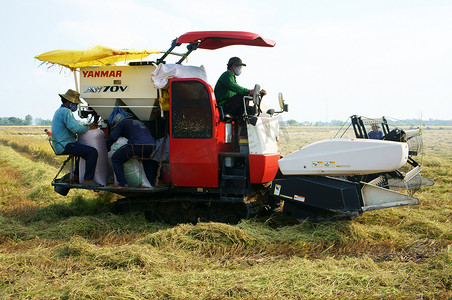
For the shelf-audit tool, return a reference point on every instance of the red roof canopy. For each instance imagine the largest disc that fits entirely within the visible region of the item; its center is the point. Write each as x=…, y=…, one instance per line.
x=218, y=39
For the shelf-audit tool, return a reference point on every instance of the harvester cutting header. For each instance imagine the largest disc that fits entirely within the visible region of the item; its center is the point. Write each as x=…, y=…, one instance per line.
x=212, y=153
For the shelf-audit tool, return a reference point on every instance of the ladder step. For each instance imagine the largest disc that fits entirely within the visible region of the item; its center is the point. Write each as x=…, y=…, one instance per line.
x=231, y=199
x=233, y=190
x=241, y=177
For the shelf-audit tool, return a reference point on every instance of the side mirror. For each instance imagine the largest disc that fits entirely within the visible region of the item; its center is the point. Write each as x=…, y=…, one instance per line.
x=281, y=101
x=284, y=107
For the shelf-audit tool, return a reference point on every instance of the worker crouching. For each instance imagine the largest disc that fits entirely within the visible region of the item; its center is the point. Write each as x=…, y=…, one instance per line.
x=140, y=144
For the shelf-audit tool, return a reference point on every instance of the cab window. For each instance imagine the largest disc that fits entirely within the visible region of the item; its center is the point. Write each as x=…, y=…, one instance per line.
x=191, y=112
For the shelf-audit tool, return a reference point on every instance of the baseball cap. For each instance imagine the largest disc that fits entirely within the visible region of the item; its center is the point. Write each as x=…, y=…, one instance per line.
x=235, y=61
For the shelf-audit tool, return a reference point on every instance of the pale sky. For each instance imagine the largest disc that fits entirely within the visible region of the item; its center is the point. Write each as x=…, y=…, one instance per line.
x=332, y=59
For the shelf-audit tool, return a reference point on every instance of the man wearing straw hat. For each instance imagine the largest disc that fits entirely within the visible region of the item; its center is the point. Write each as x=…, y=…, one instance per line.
x=65, y=129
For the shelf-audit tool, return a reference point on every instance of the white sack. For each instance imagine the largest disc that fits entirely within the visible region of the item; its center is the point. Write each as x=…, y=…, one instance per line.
x=164, y=72
x=133, y=168
x=96, y=139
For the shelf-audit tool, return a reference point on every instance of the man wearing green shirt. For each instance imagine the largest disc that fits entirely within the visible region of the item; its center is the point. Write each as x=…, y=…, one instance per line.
x=228, y=93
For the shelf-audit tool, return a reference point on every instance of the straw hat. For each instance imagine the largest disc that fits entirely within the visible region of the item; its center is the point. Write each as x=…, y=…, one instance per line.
x=72, y=96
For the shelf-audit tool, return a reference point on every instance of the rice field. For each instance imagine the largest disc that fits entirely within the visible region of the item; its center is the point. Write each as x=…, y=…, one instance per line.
x=74, y=247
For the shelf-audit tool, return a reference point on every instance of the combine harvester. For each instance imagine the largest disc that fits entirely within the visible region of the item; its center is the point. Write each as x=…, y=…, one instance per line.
x=212, y=173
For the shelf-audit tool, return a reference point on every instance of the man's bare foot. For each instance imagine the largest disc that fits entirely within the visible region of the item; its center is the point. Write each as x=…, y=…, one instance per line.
x=118, y=187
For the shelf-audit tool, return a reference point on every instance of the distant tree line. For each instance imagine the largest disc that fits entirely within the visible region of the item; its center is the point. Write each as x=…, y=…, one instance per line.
x=308, y=123
x=27, y=121
x=417, y=122
x=405, y=122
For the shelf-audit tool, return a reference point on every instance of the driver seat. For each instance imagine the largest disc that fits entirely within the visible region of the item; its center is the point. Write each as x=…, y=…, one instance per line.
x=226, y=117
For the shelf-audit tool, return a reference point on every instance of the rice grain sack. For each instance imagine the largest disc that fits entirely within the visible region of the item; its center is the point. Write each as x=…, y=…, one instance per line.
x=96, y=139
x=133, y=168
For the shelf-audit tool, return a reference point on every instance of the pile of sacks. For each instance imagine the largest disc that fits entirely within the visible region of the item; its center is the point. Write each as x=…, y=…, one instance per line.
x=133, y=168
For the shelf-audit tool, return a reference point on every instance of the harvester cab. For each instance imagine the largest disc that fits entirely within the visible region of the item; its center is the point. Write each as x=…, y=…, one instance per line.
x=214, y=166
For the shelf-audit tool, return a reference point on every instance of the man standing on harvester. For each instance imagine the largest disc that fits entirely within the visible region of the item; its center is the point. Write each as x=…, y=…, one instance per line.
x=65, y=129
x=228, y=93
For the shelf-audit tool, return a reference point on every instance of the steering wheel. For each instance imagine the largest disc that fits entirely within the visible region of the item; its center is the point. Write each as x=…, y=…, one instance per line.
x=257, y=98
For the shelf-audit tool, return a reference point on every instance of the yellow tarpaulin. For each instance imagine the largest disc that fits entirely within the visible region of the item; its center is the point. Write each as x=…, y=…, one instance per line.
x=98, y=55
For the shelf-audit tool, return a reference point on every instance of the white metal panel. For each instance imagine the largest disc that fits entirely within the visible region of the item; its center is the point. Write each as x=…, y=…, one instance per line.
x=103, y=106
x=375, y=197
x=142, y=108
x=102, y=86
x=262, y=138
x=345, y=157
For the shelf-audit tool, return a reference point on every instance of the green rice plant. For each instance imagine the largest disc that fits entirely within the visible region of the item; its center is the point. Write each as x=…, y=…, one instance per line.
x=35, y=176
x=33, y=147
